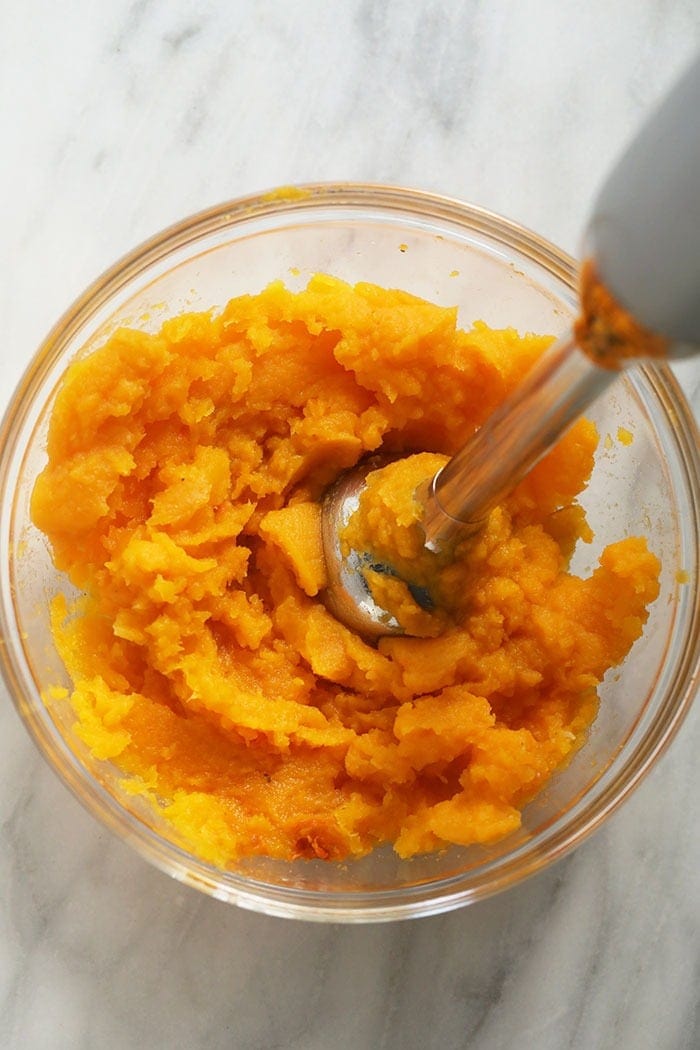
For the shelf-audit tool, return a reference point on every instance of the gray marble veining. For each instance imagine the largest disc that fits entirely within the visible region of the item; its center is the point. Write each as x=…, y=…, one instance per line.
x=117, y=119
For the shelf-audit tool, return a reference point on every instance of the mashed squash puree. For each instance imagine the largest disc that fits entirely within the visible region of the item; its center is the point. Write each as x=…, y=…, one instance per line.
x=180, y=496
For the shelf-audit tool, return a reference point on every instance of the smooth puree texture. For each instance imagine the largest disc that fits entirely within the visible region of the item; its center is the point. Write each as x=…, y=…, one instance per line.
x=180, y=495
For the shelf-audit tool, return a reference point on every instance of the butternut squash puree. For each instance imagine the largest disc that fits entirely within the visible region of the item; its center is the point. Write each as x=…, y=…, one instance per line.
x=386, y=526
x=180, y=497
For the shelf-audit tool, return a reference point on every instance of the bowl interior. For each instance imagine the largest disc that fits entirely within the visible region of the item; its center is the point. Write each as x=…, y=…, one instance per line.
x=451, y=255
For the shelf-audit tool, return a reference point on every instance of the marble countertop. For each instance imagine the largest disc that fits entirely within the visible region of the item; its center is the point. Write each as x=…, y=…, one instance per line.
x=117, y=119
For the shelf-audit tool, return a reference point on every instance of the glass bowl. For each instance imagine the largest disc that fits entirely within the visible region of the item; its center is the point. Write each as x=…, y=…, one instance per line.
x=494, y=270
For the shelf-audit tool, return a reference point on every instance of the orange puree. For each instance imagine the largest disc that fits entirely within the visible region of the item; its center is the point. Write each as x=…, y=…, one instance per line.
x=180, y=497
x=606, y=331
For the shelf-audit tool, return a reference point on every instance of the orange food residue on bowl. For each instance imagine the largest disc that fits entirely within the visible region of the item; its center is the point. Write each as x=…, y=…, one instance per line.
x=181, y=496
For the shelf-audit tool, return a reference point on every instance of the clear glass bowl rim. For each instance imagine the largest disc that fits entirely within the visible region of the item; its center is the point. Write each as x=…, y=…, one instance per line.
x=348, y=906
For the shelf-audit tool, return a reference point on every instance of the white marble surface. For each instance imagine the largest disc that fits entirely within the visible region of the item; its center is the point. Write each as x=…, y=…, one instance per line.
x=121, y=117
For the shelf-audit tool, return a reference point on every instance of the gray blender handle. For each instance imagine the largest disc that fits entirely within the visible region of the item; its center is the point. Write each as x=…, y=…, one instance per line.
x=643, y=241
x=644, y=233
